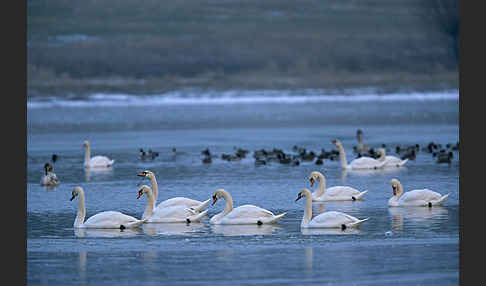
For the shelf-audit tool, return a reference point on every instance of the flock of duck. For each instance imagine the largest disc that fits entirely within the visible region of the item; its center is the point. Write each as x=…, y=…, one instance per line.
x=187, y=210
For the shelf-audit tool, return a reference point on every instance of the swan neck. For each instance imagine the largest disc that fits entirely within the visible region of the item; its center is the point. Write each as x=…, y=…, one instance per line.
x=229, y=203
x=307, y=211
x=382, y=157
x=150, y=205
x=342, y=156
x=81, y=210
x=400, y=191
x=155, y=188
x=87, y=155
x=322, y=185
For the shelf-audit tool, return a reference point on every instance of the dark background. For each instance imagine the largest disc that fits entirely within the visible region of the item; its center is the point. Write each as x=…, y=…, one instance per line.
x=154, y=46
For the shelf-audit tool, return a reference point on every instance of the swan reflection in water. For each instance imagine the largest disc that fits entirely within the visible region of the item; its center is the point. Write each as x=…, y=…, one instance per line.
x=420, y=216
x=371, y=172
x=329, y=231
x=106, y=232
x=94, y=173
x=244, y=229
x=153, y=229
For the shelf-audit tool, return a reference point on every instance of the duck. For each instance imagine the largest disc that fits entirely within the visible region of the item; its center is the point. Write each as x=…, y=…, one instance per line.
x=150, y=155
x=167, y=214
x=96, y=161
x=359, y=163
x=443, y=156
x=419, y=197
x=328, y=219
x=245, y=214
x=391, y=161
x=336, y=193
x=105, y=219
x=49, y=178
x=195, y=205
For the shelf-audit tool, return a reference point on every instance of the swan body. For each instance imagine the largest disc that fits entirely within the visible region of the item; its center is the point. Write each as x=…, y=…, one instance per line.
x=169, y=214
x=49, y=178
x=361, y=163
x=419, y=197
x=195, y=205
x=391, y=161
x=245, y=214
x=96, y=161
x=106, y=219
x=336, y=193
x=330, y=219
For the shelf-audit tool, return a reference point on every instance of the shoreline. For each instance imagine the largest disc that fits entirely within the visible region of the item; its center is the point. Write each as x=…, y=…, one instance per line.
x=41, y=85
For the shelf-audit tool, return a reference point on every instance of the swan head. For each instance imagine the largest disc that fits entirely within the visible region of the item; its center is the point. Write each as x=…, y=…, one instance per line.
x=147, y=174
x=303, y=193
x=86, y=144
x=143, y=190
x=217, y=195
x=314, y=176
x=381, y=151
x=76, y=191
x=336, y=142
x=395, y=183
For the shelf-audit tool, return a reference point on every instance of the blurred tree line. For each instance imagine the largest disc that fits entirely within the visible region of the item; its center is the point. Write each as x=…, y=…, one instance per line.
x=152, y=39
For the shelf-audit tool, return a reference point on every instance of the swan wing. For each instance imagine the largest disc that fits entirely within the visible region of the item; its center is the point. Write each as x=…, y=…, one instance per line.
x=331, y=219
x=365, y=163
x=341, y=191
x=180, y=201
x=247, y=214
x=100, y=161
x=170, y=214
x=422, y=196
x=109, y=219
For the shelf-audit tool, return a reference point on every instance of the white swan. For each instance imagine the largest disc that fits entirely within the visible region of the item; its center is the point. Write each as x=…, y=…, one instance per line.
x=195, y=205
x=391, y=161
x=96, y=161
x=357, y=164
x=329, y=219
x=106, y=219
x=421, y=197
x=169, y=214
x=245, y=214
x=49, y=178
x=336, y=193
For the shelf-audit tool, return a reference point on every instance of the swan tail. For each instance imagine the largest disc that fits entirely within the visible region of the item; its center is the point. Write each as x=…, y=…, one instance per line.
x=201, y=206
x=357, y=223
x=403, y=163
x=441, y=200
x=381, y=165
x=360, y=195
x=133, y=224
x=276, y=218
x=197, y=217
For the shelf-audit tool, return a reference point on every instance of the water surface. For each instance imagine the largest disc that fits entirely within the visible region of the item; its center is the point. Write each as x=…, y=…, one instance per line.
x=406, y=246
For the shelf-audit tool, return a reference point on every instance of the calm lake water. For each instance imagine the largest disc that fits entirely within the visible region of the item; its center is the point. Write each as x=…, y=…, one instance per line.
x=411, y=246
